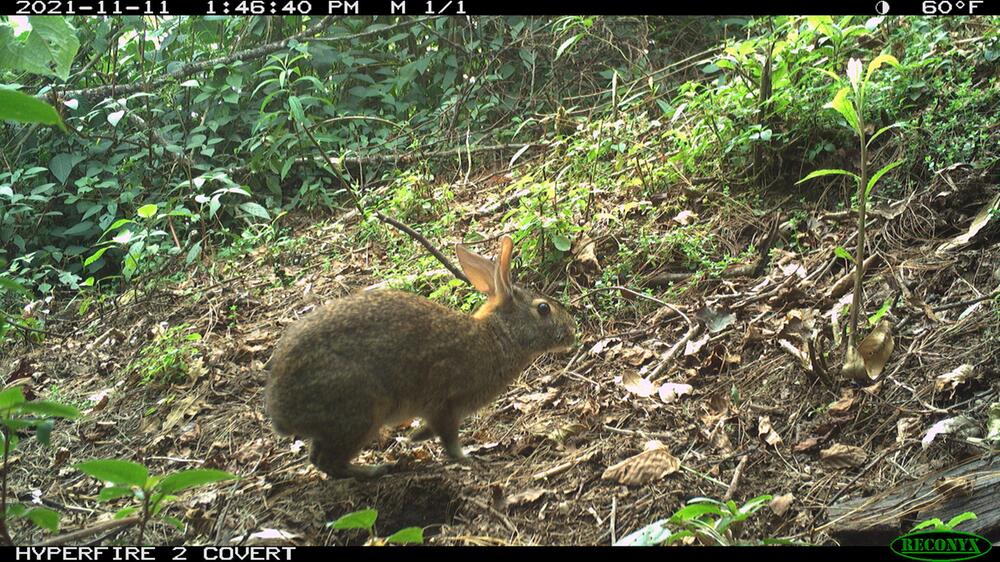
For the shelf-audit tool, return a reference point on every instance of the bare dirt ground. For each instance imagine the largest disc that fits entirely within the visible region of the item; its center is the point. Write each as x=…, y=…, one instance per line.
x=758, y=405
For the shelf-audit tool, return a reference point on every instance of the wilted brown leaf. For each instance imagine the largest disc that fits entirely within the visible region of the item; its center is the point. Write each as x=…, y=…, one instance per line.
x=672, y=391
x=779, y=505
x=647, y=466
x=766, y=432
x=843, y=456
x=876, y=348
x=528, y=496
x=955, y=377
x=840, y=407
x=638, y=385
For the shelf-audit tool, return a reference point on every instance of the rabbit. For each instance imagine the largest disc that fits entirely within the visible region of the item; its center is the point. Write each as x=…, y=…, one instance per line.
x=385, y=356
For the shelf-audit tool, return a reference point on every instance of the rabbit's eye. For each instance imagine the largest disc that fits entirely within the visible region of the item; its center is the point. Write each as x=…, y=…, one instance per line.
x=544, y=309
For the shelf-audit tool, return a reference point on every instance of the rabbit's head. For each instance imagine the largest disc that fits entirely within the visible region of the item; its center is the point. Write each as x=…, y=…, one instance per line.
x=534, y=322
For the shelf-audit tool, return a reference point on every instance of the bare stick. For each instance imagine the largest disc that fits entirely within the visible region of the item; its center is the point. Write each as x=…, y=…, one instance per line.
x=735, y=482
x=426, y=244
x=92, y=530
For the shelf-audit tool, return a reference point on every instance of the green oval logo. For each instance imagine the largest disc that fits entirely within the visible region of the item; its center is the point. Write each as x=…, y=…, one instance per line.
x=934, y=546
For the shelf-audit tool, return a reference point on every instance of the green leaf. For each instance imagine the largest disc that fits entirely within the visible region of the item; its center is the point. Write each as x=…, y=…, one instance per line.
x=879, y=61
x=43, y=431
x=364, y=519
x=561, y=242
x=841, y=252
x=54, y=39
x=567, y=44
x=109, y=493
x=126, y=511
x=409, y=535
x=650, y=535
x=828, y=172
x=16, y=510
x=147, y=211
x=10, y=397
x=878, y=175
x=884, y=129
x=960, y=518
x=295, y=105
x=13, y=286
x=874, y=319
x=15, y=106
x=695, y=511
x=95, y=256
x=177, y=523
x=192, y=478
x=48, y=409
x=115, y=471
x=843, y=105
x=44, y=518
x=62, y=165
x=256, y=210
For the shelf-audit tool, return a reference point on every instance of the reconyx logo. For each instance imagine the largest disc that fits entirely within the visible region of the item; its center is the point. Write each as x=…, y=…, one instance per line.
x=940, y=546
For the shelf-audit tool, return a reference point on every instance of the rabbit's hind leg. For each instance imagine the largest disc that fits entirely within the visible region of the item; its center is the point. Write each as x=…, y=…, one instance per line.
x=333, y=451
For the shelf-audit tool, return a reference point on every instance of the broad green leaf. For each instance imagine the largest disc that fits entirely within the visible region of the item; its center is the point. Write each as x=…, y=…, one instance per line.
x=43, y=431
x=15, y=106
x=16, y=510
x=54, y=39
x=562, y=243
x=78, y=229
x=44, y=518
x=828, y=172
x=10, y=397
x=879, y=61
x=650, y=535
x=192, y=478
x=960, y=518
x=62, y=165
x=878, y=175
x=842, y=103
x=256, y=210
x=364, y=519
x=115, y=471
x=177, y=523
x=409, y=535
x=147, y=211
x=874, y=319
x=841, y=252
x=126, y=511
x=695, y=511
x=109, y=493
x=46, y=408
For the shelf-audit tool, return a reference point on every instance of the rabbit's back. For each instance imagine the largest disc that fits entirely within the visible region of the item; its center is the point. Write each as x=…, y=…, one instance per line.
x=388, y=355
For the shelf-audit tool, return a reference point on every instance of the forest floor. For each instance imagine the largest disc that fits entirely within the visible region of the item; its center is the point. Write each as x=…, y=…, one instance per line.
x=760, y=417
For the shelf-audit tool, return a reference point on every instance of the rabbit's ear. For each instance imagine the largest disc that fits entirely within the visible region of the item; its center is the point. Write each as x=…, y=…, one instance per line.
x=478, y=269
x=503, y=284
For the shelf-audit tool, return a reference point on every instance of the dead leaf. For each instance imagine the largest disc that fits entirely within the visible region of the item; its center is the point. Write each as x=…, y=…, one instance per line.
x=694, y=346
x=955, y=377
x=180, y=409
x=807, y=444
x=715, y=320
x=840, y=407
x=765, y=431
x=605, y=344
x=267, y=537
x=529, y=403
x=672, y=391
x=779, y=505
x=906, y=428
x=637, y=356
x=843, y=456
x=528, y=496
x=977, y=224
x=583, y=252
x=637, y=385
x=645, y=467
x=876, y=348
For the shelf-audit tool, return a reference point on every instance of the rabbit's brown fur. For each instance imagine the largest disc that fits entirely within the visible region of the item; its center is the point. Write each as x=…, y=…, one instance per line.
x=382, y=357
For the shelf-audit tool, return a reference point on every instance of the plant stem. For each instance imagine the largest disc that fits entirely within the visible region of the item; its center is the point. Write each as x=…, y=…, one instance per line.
x=859, y=255
x=145, y=516
x=4, y=533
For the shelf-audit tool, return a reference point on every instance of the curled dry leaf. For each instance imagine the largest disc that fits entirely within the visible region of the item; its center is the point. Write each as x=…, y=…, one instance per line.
x=843, y=456
x=672, y=391
x=647, y=466
x=876, y=348
x=267, y=537
x=993, y=423
x=779, y=505
x=530, y=402
x=715, y=320
x=840, y=407
x=808, y=444
x=955, y=377
x=767, y=433
x=637, y=385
